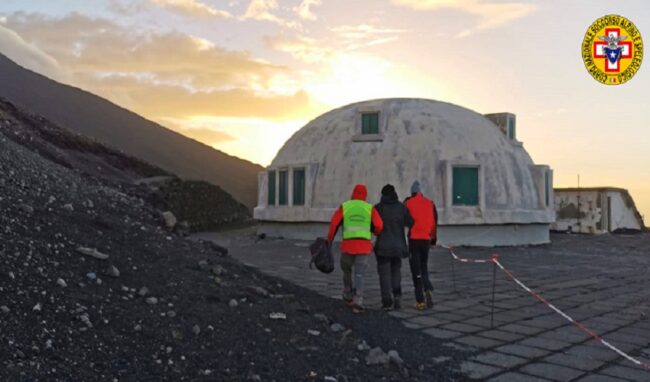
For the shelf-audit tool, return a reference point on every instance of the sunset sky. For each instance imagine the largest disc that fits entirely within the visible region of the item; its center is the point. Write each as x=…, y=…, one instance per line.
x=243, y=75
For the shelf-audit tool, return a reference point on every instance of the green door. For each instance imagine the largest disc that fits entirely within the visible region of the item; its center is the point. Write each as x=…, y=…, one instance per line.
x=465, y=186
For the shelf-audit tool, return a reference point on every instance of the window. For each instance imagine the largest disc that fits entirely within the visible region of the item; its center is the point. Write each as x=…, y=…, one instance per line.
x=370, y=123
x=547, y=188
x=299, y=187
x=465, y=186
x=512, y=128
x=271, y=200
x=283, y=188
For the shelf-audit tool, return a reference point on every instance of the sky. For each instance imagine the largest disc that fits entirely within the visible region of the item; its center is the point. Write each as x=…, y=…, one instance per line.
x=244, y=75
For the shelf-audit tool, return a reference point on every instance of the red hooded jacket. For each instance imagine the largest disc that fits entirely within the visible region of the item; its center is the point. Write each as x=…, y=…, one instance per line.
x=355, y=246
x=424, y=214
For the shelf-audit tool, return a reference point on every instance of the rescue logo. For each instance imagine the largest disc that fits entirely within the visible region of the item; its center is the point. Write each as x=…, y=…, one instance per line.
x=612, y=50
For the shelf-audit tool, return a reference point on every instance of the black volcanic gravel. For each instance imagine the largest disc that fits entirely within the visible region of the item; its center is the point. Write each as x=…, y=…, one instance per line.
x=68, y=316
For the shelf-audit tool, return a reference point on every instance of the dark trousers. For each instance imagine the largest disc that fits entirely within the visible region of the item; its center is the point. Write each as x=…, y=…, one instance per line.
x=390, y=277
x=419, y=250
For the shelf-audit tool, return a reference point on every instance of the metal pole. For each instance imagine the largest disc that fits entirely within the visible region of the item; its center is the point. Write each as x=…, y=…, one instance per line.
x=579, y=224
x=494, y=281
x=453, y=271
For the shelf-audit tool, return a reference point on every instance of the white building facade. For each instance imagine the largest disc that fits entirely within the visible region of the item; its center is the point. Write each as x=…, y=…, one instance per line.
x=596, y=210
x=487, y=189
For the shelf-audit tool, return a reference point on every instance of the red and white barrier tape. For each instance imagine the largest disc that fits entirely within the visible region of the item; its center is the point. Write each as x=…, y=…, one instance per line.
x=462, y=260
x=495, y=260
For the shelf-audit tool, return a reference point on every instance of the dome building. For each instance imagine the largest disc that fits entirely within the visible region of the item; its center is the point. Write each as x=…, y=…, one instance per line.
x=486, y=187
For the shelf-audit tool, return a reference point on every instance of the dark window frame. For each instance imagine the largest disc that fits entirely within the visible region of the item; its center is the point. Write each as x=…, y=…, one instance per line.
x=370, y=123
x=271, y=190
x=547, y=188
x=299, y=186
x=511, y=127
x=283, y=187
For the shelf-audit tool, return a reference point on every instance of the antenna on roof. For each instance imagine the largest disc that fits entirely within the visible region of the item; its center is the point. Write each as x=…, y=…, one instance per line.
x=579, y=224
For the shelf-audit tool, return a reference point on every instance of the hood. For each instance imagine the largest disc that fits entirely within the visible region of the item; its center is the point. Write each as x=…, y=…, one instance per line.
x=388, y=194
x=360, y=192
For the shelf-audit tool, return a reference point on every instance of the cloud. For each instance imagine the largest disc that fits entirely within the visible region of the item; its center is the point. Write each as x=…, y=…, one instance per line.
x=346, y=38
x=304, y=48
x=304, y=9
x=127, y=7
x=358, y=36
x=162, y=100
x=191, y=8
x=263, y=10
x=99, y=46
x=190, y=128
x=426, y=4
x=16, y=48
x=490, y=14
x=363, y=31
x=157, y=74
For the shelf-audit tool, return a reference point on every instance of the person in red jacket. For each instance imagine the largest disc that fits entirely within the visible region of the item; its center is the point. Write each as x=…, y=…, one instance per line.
x=422, y=235
x=359, y=220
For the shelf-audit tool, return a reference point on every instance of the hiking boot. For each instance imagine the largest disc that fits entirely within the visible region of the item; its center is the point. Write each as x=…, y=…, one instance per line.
x=356, y=309
x=397, y=304
x=420, y=306
x=429, y=296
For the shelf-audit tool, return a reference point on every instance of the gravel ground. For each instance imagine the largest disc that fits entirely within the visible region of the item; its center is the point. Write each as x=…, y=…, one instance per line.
x=93, y=287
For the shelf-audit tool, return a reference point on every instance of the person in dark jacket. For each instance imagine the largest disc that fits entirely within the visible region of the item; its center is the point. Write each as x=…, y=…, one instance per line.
x=390, y=246
x=422, y=235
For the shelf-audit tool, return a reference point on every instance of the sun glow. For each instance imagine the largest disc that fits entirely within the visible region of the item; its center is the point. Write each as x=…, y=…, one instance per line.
x=354, y=77
x=351, y=78
x=254, y=139
x=345, y=78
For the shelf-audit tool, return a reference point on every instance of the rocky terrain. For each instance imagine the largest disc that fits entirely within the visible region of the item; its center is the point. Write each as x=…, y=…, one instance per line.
x=114, y=126
x=196, y=205
x=202, y=205
x=94, y=286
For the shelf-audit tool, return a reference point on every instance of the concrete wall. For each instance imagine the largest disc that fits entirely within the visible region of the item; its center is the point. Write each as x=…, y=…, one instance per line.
x=418, y=139
x=486, y=236
x=595, y=211
x=624, y=214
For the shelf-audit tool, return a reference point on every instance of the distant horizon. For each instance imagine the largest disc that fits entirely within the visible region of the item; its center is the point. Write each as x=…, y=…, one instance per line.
x=247, y=74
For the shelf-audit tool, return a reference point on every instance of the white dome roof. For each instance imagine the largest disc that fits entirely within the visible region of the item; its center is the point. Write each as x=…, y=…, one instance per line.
x=419, y=140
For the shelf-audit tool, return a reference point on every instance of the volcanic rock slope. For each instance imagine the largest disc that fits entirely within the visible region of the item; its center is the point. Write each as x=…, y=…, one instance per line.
x=92, y=288
x=95, y=117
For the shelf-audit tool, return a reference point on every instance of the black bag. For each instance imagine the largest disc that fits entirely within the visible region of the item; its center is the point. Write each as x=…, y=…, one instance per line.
x=321, y=255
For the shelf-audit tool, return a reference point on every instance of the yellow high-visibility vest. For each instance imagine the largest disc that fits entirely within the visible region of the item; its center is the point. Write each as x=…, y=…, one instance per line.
x=357, y=217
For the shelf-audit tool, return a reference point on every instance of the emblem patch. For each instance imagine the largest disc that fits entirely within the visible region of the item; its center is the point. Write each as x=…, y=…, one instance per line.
x=612, y=50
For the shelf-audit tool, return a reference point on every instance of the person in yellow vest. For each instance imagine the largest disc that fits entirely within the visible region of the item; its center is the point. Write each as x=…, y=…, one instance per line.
x=359, y=220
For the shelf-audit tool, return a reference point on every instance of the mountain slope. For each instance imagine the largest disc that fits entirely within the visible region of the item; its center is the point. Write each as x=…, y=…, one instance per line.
x=117, y=127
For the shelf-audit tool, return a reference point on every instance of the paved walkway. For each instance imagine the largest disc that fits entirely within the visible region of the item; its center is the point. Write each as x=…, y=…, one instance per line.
x=601, y=281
